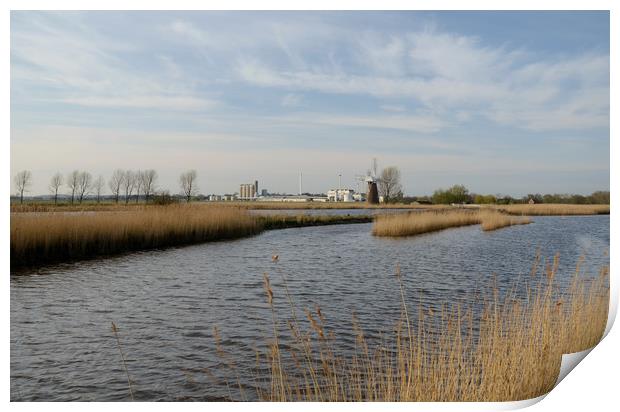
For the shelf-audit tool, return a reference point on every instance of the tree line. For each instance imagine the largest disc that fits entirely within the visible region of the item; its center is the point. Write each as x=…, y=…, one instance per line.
x=460, y=194
x=124, y=185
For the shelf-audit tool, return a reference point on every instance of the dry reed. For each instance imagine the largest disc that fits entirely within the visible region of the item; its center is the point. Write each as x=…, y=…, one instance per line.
x=115, y=207
x=283, y=221
x=431, y=221
x=491, y=220
x=552, y=209
x=509, y=350
x=41, y=238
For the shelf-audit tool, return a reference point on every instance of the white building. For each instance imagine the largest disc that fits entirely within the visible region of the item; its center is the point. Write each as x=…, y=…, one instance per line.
x=340, y=195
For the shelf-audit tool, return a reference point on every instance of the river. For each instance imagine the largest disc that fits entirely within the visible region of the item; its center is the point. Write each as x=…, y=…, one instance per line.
x=167, y=302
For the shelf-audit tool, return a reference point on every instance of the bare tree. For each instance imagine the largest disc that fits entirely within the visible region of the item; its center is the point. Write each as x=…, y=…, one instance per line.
x=116, y=182
x=138, y=183
x=85, y=182
x=73, y=181
x=389, y=183
x=129, y=183
x=188, y=184
x=149, y=182
x=22, y=181
x=55, y=185
x=98, y=187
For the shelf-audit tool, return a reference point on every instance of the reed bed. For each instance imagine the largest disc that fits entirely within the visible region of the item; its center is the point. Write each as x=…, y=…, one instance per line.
x=552, y=209
x=494, y=220
x=284, y=221
x=510, y=350
x=131, y=206
x=328, y=205
x=39, y=238
x=431, y=221
x=52, y=237
x=85, y=207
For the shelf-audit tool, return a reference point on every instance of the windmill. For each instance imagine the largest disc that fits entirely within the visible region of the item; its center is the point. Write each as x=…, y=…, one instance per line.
x=372, y=195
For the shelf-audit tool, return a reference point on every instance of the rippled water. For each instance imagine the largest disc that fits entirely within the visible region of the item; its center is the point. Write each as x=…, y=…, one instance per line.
x=167, y=302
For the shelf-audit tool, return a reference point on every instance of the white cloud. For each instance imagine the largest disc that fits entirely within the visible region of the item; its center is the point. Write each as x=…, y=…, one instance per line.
x=420, y=124
x=146, y=102
x=73, y=64
x=291, y=100
x=455, y=73
x=392, y=108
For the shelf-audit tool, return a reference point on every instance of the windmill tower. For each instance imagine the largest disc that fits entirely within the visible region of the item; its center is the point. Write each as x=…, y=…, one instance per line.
x=371, y=179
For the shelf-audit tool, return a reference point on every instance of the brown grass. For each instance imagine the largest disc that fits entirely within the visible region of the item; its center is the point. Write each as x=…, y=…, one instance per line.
x=430, y=221
x=115, y=207
x=86, y=207
x=552, y=209
x=493, y=220
x=301, y=220
x=48, y=237
x=328, y=205
x=510, y=350
x=39, y=238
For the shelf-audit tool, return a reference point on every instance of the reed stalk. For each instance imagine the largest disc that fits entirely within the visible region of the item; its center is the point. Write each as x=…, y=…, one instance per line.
x=508, y=349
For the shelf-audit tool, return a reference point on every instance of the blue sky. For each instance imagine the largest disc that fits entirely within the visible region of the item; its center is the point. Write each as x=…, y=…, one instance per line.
x=503, y=102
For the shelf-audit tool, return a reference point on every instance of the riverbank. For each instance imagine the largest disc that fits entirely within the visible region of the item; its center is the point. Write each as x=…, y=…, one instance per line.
x=38, y=239
x=431, y=221
x=514, y=209
x=132, y=206
x=551, y=209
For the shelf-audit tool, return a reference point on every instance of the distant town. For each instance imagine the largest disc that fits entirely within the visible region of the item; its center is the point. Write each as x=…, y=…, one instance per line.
x=127, y=186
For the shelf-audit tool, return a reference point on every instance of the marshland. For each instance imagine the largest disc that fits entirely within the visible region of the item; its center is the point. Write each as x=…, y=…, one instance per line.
x=330, y=205
x=351, y=315
x=43, y=235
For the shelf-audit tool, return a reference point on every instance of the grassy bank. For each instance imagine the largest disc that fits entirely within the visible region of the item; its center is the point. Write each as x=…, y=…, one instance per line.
x=41, y=238
x=516, y=209
x=131, y=206
x=431, y=221
x=510, y=350
x=271, y=222
x=51, y=237
x=552, y=209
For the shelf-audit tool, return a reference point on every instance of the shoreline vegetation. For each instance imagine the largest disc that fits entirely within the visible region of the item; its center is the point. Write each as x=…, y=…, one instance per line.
x=509, y=350
x=41, y=238
x=551, y=209
x=543, y=209
x=42, y=235
x=411, y=224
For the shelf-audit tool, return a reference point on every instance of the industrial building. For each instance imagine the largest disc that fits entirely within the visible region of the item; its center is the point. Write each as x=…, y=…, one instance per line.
x=341, y=195
x=248, y=191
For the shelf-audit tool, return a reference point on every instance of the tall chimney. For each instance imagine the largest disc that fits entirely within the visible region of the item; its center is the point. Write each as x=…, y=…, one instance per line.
x=300, y=191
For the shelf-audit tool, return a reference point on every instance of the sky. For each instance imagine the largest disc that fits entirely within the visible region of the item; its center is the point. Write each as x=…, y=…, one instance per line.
x=502, y=102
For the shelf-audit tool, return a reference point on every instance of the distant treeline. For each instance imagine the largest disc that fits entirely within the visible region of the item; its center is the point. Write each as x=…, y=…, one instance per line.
x=123, y=184
x=460, y=194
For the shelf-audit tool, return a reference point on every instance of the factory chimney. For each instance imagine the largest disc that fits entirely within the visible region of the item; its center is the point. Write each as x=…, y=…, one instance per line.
x=300, y=184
